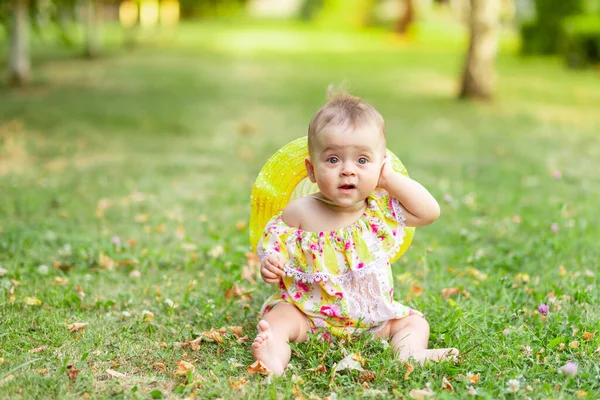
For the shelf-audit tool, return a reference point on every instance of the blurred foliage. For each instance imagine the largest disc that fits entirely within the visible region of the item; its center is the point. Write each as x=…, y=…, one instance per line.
x=570, y=28
x=211, y=8
x=581, y=40
x=541, y=35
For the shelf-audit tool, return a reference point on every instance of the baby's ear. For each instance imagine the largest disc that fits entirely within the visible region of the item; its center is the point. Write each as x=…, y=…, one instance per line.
x=310, y=169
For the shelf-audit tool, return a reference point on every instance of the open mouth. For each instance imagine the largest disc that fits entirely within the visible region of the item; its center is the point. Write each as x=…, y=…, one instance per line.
x=347, y=187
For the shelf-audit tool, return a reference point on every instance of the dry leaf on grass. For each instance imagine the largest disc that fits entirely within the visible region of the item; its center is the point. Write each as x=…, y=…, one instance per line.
x=183, y=367
x=473, y=379
x=59, y=281
x=72, y=372
x=421, y=394
x=409, y=369
x=115, y=374
x=259, y=368
x=243, y=339
x=158, y=366
x=38, y=349
x=31, y=301
x=236, y=330
x=76, y=327
x=349, y=362
x=588, y=336
x=237, y=385
x=446, y=385
x=449, y=292
x=416, y=289
x=214, y=334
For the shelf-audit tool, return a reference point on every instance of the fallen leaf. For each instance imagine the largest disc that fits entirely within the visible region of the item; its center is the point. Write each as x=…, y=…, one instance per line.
x=409, y=369
x=420, y=394
x=358, y=357
x=38, y=349
x=158, y=366
x=349, y=362
x=184, y=367
x=367, y=376
x=448, y=292
x=259, y=368
x=581, y=393
x=588, y=335
x=236, y=330
x=480, y=276
x=72, y=373
x=574, y=344
x=148, y=316
x=240, y=225
x=474, y=379
x=31, y=301
x=105, y=262
x=297, y=393
x=237, y=385
x=243, y=339
x=76, y=327
x=115, y=374
x=416, y=289
x=446, y=385
x=60, y=281
x=213, y=334
x=321, y=369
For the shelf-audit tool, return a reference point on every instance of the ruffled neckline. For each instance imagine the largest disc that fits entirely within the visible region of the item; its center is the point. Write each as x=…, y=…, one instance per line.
x=334, y=232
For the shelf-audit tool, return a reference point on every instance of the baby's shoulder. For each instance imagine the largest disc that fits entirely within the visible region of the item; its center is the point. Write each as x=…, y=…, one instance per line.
x=295, y=212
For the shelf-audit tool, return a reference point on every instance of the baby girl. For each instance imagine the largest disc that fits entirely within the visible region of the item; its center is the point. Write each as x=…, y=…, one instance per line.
x=329, y=253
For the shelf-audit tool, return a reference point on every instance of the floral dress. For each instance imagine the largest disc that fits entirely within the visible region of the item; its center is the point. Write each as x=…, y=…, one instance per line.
x=341, y=279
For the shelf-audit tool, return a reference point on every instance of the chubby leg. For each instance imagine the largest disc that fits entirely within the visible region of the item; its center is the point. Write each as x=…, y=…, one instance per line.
x=283, y=324
x=409, y=337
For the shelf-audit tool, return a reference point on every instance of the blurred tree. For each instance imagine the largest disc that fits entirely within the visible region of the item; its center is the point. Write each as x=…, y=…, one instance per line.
x=93, y=20
x=406, y=18
x=478, y=75
x=19, y=63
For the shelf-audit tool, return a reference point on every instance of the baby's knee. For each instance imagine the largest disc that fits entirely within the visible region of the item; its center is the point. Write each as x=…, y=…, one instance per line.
x=414, y=322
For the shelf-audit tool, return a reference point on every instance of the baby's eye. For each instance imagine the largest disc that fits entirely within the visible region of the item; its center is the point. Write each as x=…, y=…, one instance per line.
x=363, y=160
x=333, y=160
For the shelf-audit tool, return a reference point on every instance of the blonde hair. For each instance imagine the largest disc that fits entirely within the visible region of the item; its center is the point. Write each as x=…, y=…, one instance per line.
x=343, y=112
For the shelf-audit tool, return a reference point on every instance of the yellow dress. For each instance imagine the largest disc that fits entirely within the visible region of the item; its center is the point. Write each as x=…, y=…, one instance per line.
x=341, y=279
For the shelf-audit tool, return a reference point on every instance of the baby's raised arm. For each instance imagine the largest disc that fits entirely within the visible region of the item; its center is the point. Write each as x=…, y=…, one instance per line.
x=421, y=207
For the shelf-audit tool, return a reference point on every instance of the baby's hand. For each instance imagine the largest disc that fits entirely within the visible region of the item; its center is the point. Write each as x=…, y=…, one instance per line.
x=386, y=171
x=271, y=268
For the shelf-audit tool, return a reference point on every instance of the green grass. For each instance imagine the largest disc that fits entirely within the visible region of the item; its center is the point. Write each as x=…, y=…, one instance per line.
x=161, y=144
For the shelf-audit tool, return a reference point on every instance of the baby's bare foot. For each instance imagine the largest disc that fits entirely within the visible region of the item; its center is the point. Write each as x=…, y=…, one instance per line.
x=435, y=355
x=262, y=349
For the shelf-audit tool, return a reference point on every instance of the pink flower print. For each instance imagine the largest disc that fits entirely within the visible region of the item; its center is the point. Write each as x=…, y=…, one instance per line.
x=313, y=246
x=374, y=228
x=360, y=265
x=314, y=257
x=297, y=296
x=281, y=284
x=391, y=293
x=319, y=323
x=303, y=287
x=347, y=245
x=339, y=294
x=330, y=310
x=321, y=235
x=284, y=296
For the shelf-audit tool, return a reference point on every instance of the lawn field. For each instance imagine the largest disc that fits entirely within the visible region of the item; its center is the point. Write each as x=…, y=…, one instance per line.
x=124, y=202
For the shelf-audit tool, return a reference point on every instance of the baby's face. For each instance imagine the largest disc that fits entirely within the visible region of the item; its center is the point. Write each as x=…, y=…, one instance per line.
x=346, y=165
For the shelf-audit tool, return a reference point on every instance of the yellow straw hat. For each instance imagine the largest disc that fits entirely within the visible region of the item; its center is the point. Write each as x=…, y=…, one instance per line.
x=284, y=178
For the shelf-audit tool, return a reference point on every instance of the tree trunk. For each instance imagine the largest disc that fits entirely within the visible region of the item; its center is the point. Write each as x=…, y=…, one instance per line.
x=478, y=76
x=407, y=17
x=93, y=19
x=19, y=63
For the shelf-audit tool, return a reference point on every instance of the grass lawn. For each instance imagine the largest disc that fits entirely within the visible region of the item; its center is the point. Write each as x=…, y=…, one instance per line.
x=124, y=196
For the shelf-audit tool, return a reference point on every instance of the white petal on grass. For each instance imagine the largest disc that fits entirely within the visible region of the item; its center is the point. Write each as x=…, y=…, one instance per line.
x=3, y=271
x=348, y=362
x=513, y=385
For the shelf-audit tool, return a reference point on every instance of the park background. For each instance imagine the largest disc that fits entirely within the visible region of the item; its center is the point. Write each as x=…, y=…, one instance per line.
x=131, y=135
